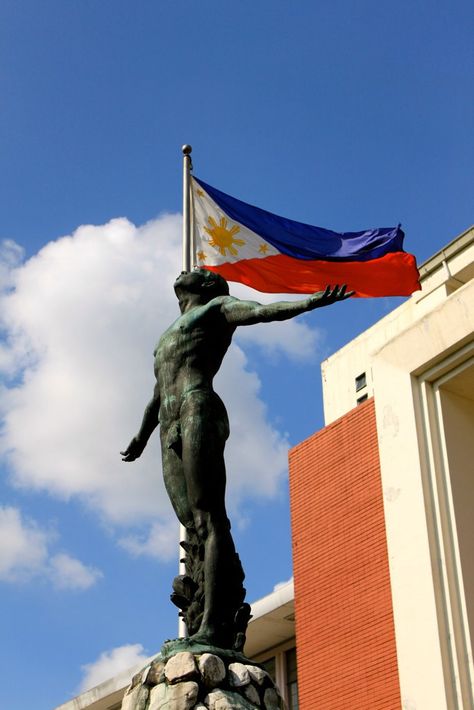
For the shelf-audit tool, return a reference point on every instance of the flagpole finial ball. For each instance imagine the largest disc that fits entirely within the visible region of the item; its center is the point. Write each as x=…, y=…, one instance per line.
x=186, y=149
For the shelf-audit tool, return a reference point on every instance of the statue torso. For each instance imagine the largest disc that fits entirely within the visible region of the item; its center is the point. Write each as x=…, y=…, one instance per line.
x=189, y=354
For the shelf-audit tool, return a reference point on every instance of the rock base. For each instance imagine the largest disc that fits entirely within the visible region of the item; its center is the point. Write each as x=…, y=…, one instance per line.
x=202, y=680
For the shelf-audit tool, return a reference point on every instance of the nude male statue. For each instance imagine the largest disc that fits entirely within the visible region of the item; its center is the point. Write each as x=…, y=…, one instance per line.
x=194, y=428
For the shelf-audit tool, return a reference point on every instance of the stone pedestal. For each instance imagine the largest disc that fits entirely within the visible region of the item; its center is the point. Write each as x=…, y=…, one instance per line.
x=201, y=678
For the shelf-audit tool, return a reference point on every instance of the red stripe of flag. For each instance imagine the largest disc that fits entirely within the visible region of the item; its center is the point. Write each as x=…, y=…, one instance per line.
x=394, y=274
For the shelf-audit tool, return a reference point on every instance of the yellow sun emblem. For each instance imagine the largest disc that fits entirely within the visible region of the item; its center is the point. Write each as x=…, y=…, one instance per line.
x=223, y=238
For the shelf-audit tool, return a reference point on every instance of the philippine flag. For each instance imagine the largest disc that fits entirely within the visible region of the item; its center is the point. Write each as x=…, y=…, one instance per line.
x=277, y=255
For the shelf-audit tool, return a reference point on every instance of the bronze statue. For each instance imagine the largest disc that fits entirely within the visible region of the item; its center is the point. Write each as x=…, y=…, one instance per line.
x=193, y=429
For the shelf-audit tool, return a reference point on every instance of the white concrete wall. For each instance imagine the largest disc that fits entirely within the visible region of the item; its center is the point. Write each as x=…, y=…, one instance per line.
x=458, y=423
x=409, y=356
x=439, y=279
x=425, y=577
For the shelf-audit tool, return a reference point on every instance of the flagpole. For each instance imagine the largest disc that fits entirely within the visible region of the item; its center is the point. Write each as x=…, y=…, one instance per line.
x=187, y=165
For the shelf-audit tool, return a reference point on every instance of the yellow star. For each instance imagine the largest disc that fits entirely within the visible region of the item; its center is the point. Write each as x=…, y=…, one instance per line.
x=200, y=193
x=201, y=255
x=263, y=248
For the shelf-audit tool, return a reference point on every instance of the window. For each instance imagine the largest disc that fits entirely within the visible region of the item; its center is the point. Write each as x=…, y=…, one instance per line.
x=270, y=666
x=291, y=679
x=281, y=666
x=360, y=381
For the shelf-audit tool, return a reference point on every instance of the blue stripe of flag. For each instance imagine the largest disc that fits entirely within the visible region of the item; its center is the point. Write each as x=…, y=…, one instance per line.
x=303, y=241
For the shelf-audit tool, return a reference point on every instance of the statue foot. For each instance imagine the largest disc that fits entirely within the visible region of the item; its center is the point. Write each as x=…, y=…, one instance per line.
x=204, y=638
x=210, y=637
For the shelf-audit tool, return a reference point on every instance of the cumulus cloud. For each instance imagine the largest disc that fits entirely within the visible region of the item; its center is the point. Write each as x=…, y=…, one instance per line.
x=25, y=554
x=110, y=663
x=80, y=321
x=293, y=339
x=23, y=546
x=11, y=255
x=158, y=540
x=68, y=573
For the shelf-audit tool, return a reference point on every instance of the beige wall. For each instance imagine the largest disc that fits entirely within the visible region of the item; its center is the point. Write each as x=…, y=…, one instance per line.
x=441, y=276
x=458, y=423
x=425, y=422
x=433, y=645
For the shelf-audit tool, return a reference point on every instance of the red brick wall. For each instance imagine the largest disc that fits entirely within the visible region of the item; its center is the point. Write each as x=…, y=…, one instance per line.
x=344, y=623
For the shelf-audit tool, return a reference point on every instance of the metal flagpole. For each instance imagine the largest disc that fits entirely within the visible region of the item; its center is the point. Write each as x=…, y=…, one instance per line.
x=187, y=165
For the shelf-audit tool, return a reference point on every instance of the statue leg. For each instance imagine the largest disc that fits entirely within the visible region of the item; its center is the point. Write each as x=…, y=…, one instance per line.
x=204, y=432
x=174, y=479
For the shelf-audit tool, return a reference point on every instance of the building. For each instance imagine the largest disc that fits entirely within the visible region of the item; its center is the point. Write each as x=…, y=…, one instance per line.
x=382, y=502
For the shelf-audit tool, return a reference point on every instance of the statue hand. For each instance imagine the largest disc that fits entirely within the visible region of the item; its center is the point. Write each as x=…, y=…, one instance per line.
x=329, y=296
x=134, y=450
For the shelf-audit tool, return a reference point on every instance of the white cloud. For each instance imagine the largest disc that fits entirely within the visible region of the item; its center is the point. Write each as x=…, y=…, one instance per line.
x=68, y=573
x=256, y=453
x=159, y=540
x=23, y=546
x=81, y=323
x=11, y=255
x=25, y=554
x=110, y=663
x=292, y=338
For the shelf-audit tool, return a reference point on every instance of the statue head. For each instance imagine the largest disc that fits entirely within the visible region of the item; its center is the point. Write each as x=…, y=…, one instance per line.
x=213, y=283
x=206, y=283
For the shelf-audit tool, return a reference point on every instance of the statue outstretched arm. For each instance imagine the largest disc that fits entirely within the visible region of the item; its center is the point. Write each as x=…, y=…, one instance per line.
x=249, y=312
x=148, y=426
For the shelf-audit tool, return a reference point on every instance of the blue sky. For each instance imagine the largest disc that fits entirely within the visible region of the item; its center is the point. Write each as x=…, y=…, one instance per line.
x=347, y=115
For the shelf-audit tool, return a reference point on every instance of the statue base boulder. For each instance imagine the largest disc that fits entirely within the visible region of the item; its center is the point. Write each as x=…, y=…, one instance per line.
x=201, y=678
